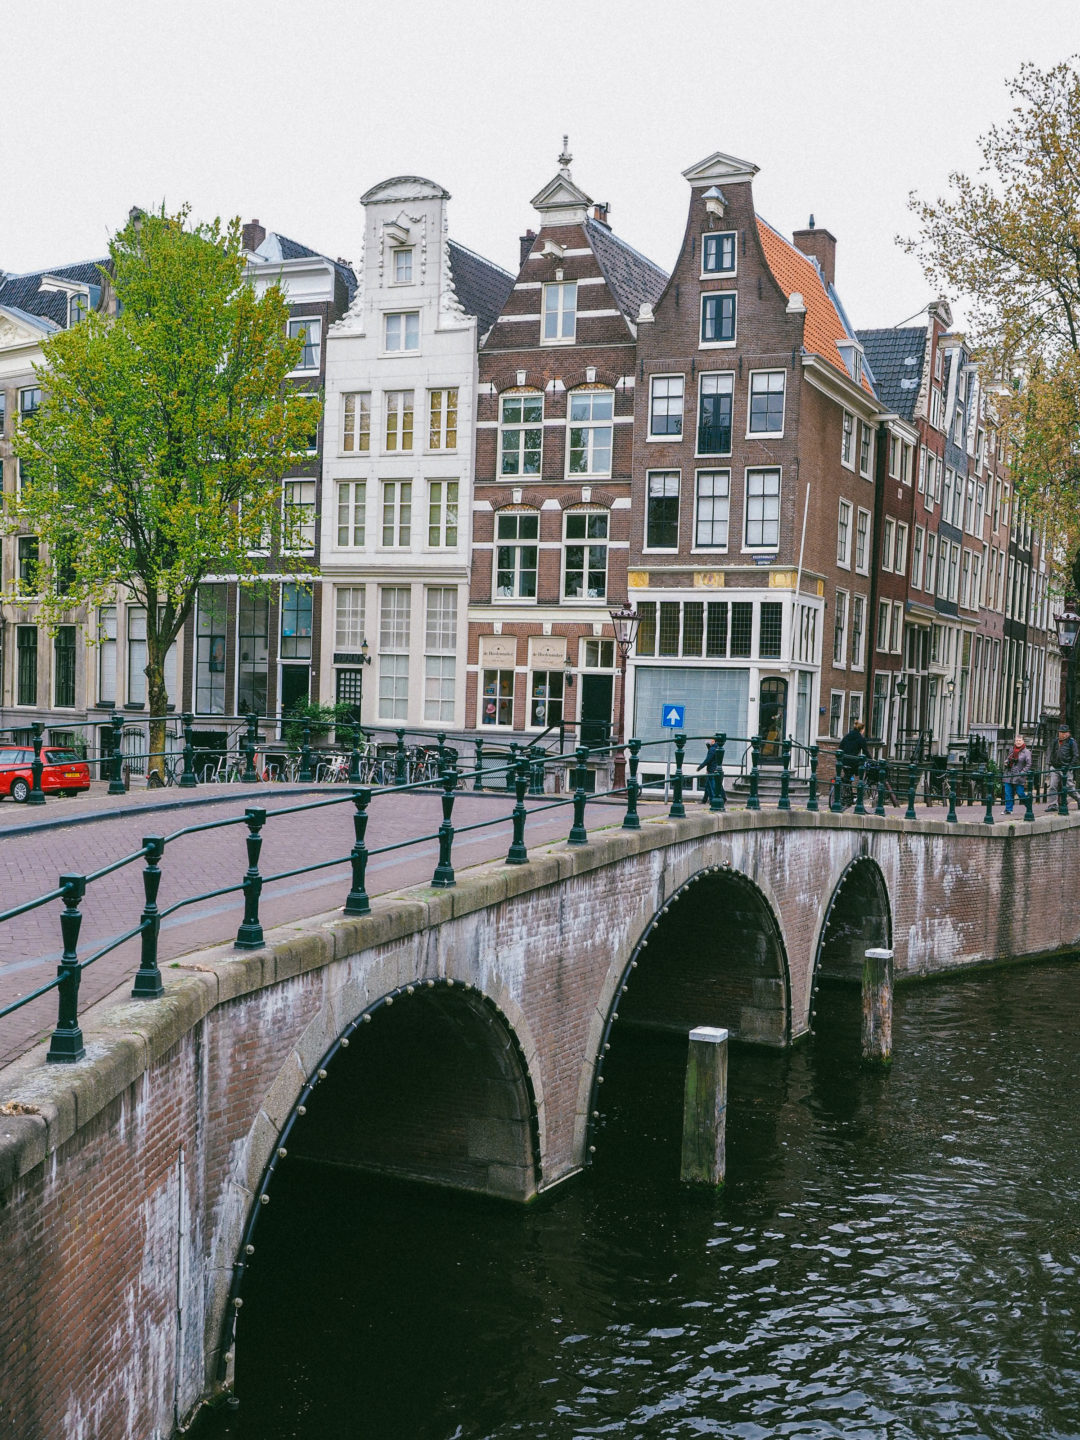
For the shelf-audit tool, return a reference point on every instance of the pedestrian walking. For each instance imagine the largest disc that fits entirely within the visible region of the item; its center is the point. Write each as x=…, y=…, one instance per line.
x=711, y=764
x=1063, y=758
x=1017, y=770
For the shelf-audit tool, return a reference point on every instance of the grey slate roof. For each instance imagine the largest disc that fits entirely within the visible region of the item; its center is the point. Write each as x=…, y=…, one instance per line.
x=482, y=288
x=631, y=278
x=293, y=250
x=22, y=292
x=895, y=358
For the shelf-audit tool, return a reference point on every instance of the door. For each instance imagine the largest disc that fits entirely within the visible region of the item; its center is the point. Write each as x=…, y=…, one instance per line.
x=596, y=691
x=294, y=687
x=772, y=718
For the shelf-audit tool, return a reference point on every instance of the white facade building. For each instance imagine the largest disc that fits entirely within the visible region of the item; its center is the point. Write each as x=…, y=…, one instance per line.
x=401, y=374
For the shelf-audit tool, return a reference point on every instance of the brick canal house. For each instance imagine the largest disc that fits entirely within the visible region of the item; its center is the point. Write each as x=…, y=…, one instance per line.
x=398, y=477
x=755, y=437
x=555, y=436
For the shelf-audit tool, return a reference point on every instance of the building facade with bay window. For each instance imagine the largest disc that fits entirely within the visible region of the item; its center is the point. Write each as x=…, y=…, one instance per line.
x=398, y=464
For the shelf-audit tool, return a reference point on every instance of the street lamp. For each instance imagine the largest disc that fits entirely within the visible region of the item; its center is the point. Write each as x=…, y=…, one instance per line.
x=1068, y=627
x=624, y=621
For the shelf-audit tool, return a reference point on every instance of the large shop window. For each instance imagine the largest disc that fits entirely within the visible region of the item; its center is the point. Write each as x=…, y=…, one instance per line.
x=715, y=699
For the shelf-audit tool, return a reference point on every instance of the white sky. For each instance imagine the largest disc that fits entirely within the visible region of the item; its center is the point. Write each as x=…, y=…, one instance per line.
x=289, y=109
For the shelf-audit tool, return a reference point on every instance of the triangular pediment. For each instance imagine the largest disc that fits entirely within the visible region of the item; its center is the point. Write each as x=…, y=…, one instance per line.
x=19, y=327
x=561, y=194
x=720, y=169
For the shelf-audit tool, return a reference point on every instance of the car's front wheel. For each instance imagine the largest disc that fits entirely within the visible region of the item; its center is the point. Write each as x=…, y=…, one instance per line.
x=20, y=789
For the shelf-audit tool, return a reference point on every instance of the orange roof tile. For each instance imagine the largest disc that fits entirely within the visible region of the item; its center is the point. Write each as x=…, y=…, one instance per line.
x=797, y=274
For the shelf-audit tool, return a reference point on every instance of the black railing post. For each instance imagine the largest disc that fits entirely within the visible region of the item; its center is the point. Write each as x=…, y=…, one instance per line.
x=578, y=834
x=1029, y=797
x=678, y=809
x=912, y=786
x=148, y=984
x=305, y=777
x=357, y=902
x=478, y=763
x=440, y=739
x=536, y=769
x=860, y=786
x=401, y=760
x=881, y=777
x=1063, y=780
x=951, y=816
x=517, y=854
x=251, y=744
x=354, y=754
x=632, y=820
x=511, y=769
x=812, y=797
x=753, y=800
x=444, y=871
x=784, y=803
x=188, y=780
x=988, y=796
x=836, y=800
x=717, y=795
x=37, y=795
x=116, y=778
x=66, y=1045
x=250, y=934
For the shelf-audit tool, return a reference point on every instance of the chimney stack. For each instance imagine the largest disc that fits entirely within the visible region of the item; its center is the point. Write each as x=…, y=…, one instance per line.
x=254, y=235
x=527, y=244
x=821, y=246
x=600, y=213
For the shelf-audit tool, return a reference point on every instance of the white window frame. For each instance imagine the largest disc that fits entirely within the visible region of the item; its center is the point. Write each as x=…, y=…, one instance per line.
x=396, y=413
x=867, y=470
x=763, y=470
x=858, y=636
x=848, y=440
x=708, y=295
x=355, y=434
x=666, y=475
x=719, y=236
x=403, y=317
x=768, y=434
x=519, y=428
x=350, y=616
x=592, y=428
x=897, y=637
x=900, y=561
x=294, y=499
x=401, y=253
x=844, y=511
x=918, y=556
x=440, y=652
x=351, y=505
x=655, y=381
x=841, y=618
x=863, y=529
x=888, y=540
x=560, y=312
x=439, y=431
x=394, y=637
x=699, y=545
x=443, y=508
x=884, y=620
x=517, y=544
x=587, y=544
x=306, y=325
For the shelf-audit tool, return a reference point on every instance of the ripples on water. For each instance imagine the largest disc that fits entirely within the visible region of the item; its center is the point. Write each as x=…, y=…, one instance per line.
x=894, y=1256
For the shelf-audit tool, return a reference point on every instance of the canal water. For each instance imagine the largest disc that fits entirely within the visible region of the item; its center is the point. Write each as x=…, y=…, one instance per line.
x=894, y=1255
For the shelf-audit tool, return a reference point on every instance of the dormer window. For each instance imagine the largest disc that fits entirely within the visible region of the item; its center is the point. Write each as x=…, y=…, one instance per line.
x=403, y=265
x=78, y=307
x=852, y=357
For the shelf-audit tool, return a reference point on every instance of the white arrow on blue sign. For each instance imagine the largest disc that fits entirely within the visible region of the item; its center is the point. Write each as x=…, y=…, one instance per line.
x=673, y=717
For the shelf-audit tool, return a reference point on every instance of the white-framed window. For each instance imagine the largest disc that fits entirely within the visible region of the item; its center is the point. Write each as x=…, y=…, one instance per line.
x=349, y=605
x=311, y=442
x=136, y=655
x=351, y=513
x=917, y=543
x=855, y=700
x=907, y=462
x=662, y=510
x=394, y=617
x=666, y=404
x=585, y=554
x=712, y=505
x=884, y=614
x=836, y=714
x=715, y=398
x=399, y=419
x=866, y=449
x=442, y=419
x=401, y=331
x=897, y=626
x=397, y=513
x=310, y=328
x=922, y=470
x=931, y=556
x=401, y=264
x=840, y=628
x=888, y=540
x=718, y=252
x=843, y=535
x=762, y=523
x=847, y=441
x=356, y=421
x=935, y=407
x=766, y=411
x=545, y=698
x=440, y=652
x=954, y=573
x=894, y=457
x=497, y=701
x=298, y=516
x=442, y=514
x=862, y=541
x=521, y=433
x=858, y=630
x=900, y=563
x=559, y=324
x=107, y=655
x=718, y=314
x=30, y=400
x=590, y=415
x=517, y=534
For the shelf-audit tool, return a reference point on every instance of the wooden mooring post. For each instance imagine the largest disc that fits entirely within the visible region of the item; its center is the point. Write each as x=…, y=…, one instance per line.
x=705, y=1107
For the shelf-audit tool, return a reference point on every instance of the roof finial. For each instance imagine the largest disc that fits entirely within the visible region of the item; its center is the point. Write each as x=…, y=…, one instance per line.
x=565, y=157
x=811, y=226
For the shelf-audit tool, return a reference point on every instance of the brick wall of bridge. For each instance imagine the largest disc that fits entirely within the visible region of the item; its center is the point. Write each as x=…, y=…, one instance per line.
x=126, y=1181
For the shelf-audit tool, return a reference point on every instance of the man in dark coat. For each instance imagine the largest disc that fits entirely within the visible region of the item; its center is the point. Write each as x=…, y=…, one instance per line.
x=711, y=764
x=848, y=752
x=1063, y=761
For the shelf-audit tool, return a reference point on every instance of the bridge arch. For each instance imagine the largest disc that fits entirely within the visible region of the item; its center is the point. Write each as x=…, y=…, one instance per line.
x=712, y=954
x=858, y=917
x=435, y=1049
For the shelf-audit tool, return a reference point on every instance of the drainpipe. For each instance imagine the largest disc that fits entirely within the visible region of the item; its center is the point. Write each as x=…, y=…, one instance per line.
x=881, y=460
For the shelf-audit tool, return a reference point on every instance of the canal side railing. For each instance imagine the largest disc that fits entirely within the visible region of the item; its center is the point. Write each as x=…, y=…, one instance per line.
x=855, y=781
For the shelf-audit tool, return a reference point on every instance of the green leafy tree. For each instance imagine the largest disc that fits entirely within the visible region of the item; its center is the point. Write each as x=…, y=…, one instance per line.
x=1008, y=243
x=157, y=455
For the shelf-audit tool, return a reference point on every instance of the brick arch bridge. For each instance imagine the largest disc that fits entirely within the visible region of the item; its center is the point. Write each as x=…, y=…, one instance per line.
x=451, y=1036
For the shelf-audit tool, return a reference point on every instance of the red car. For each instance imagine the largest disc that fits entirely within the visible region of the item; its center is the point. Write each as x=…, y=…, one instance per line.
x=62, y=771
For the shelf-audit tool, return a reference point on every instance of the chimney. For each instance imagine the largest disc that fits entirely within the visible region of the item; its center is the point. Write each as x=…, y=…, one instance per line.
x=600, y=214
x=254, y=235
x=821, y=246
x=527, y=244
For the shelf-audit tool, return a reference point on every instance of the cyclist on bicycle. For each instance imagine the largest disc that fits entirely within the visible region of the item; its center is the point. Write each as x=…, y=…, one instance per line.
x=848, y=752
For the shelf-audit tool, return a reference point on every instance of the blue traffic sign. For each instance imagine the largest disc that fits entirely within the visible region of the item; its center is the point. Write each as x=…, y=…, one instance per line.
x=673, y=717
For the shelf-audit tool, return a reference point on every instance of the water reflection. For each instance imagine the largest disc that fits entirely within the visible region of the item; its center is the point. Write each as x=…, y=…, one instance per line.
x=894, y=1256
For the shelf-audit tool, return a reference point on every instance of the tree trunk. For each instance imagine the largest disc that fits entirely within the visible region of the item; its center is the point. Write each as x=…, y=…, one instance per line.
x=159, y=700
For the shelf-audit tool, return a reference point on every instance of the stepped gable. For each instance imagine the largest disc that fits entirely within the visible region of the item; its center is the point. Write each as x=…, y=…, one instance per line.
x=796, y=273
x=632, y=279
x=482, y=288
x=896, y=359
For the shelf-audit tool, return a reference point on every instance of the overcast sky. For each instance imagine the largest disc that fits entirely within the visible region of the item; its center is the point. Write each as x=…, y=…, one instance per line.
x=288, y=110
